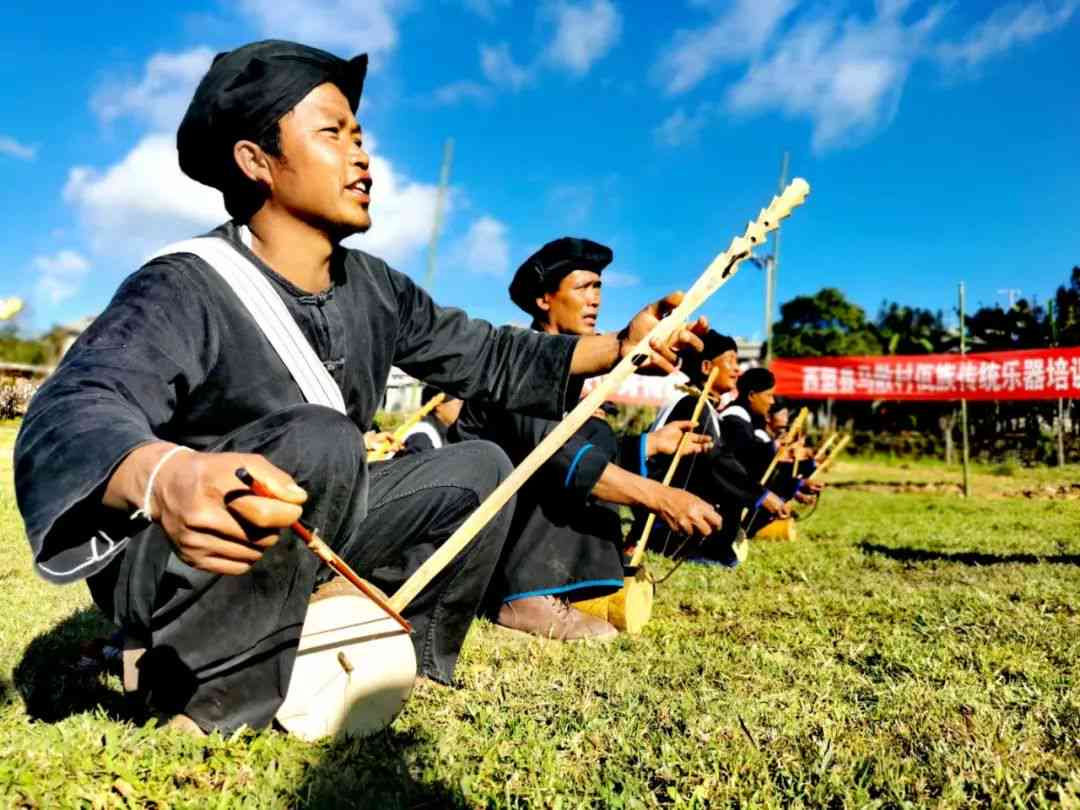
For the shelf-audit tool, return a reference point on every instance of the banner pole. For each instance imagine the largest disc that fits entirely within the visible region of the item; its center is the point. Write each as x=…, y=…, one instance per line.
x=1061, y=401
x=963, y=400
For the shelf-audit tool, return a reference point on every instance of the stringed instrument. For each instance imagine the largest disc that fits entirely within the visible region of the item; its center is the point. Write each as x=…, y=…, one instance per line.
x=630, y=608
x=361, y=691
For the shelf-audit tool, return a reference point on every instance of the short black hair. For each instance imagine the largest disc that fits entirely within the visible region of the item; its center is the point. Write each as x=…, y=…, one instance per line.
x=243, y=196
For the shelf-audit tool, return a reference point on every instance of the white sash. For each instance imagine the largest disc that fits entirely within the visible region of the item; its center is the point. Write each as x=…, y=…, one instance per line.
x=270, y=313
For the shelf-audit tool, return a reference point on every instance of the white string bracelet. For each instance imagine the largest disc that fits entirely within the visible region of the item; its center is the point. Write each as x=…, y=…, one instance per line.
x=144, y=512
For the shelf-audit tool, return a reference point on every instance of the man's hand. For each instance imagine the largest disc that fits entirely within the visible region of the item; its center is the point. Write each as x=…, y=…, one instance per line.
x=381, y=440
x=213, y=521
x=775, y=505
x=686, y=513
x=805, y=497
x=664, y=357
x=665, y=441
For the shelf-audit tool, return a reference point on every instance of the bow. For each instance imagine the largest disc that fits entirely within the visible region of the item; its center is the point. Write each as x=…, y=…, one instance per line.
x=639, y=549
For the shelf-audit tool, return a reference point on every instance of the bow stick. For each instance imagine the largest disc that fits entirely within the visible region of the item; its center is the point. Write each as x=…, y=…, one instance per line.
x=319, y=548
x=828, y=461
x=639, y=549
x=722, y=268
x=789, y=436
x=382, y=452
x=821, y=451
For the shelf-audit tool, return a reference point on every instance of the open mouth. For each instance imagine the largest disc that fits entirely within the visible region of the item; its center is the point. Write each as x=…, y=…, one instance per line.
x=361, y=189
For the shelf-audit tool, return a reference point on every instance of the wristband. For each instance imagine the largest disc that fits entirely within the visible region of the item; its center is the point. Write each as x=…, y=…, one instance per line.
x=144, y=512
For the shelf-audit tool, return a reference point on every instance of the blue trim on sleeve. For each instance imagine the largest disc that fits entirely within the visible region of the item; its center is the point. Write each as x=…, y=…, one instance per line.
x=761, y=500
x=589, y=583
x=585, y=448
x=644, y=470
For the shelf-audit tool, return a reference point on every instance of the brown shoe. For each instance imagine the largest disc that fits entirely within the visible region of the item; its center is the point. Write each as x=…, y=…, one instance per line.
x=553, y=618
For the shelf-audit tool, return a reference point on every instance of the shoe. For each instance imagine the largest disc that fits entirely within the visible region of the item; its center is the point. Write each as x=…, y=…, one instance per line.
x=553, y=618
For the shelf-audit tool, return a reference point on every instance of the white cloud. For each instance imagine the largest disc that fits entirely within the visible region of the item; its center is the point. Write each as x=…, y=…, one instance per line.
x=681, y=127
x=350, y=26
x=483, y=249
x=736, y=35
x=12, y=148
x=402, y=214
x=572, y=205
x=1004, y=29
x=61, y=277
x=160, y=97
x=584, y=33
x=500, y=68
x=845, y=75
x=619, y=281
x=486, y=8
x=464, y=90
x=142, y=202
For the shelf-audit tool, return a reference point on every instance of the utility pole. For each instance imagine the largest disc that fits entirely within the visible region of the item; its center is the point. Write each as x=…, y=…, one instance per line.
x=440, y=202
x=770, y=271
x=1061, y=402
x=963, y=401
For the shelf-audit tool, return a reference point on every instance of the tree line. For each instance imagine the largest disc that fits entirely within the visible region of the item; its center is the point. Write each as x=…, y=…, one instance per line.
x=827, y=324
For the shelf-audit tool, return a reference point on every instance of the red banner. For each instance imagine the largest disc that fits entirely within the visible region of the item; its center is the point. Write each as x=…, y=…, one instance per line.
x=1032, y=374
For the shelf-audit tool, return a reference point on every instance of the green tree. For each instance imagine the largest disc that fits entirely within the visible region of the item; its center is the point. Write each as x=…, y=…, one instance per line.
x=15, y=349
x=911, y=330
x=822, y=325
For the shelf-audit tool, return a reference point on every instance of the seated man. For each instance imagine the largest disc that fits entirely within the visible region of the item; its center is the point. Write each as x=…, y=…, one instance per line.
x=743, y=428
x=565, y=540
x=430, y=433
x=266, y=345
x=718, y=476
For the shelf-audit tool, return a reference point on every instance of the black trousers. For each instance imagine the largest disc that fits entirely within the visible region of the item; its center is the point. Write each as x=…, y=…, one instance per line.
x=221, y=648
x=559, y=548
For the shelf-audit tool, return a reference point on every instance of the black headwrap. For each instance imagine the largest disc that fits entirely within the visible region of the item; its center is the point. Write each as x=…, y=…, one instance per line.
x=755, y=380
x=542, y=272
x=428, y=393
x=248, y=90
x=715, y=345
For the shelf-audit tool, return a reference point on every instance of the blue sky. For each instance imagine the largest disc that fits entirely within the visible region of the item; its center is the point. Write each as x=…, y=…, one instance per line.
x=940, y=141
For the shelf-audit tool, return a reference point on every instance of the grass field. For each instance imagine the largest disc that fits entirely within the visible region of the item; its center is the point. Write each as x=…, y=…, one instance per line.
x=912, y=650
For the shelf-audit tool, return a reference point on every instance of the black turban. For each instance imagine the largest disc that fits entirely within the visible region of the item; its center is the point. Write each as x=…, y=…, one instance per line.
x=542, y=272
x=248, y=90
x=754, y=381
x=428, y=393
x=715, y=345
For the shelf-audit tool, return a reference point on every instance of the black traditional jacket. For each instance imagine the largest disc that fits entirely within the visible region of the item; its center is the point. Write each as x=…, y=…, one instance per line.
x=176, y=356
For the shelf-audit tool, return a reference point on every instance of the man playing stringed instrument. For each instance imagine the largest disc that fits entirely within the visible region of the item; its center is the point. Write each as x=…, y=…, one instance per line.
x=566, y=536
x=718, y=476
x=743, y=428
x=266, y=345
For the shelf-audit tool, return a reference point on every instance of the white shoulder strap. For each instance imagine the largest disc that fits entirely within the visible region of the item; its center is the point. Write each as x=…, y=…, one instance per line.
x=268, y=310
x=735, y=412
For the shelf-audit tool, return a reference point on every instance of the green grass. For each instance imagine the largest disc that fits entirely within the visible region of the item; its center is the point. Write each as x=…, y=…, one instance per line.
x=912, y=650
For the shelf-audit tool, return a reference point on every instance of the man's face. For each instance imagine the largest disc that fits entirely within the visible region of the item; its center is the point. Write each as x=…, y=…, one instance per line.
x=729, y=370
x=762, y=401
x=572, y=309
x=323, y=177
x=779, y=420
x=448, y=411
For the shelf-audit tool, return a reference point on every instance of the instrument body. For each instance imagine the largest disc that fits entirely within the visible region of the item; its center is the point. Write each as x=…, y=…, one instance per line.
x=355, y=668
x=629, y=608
